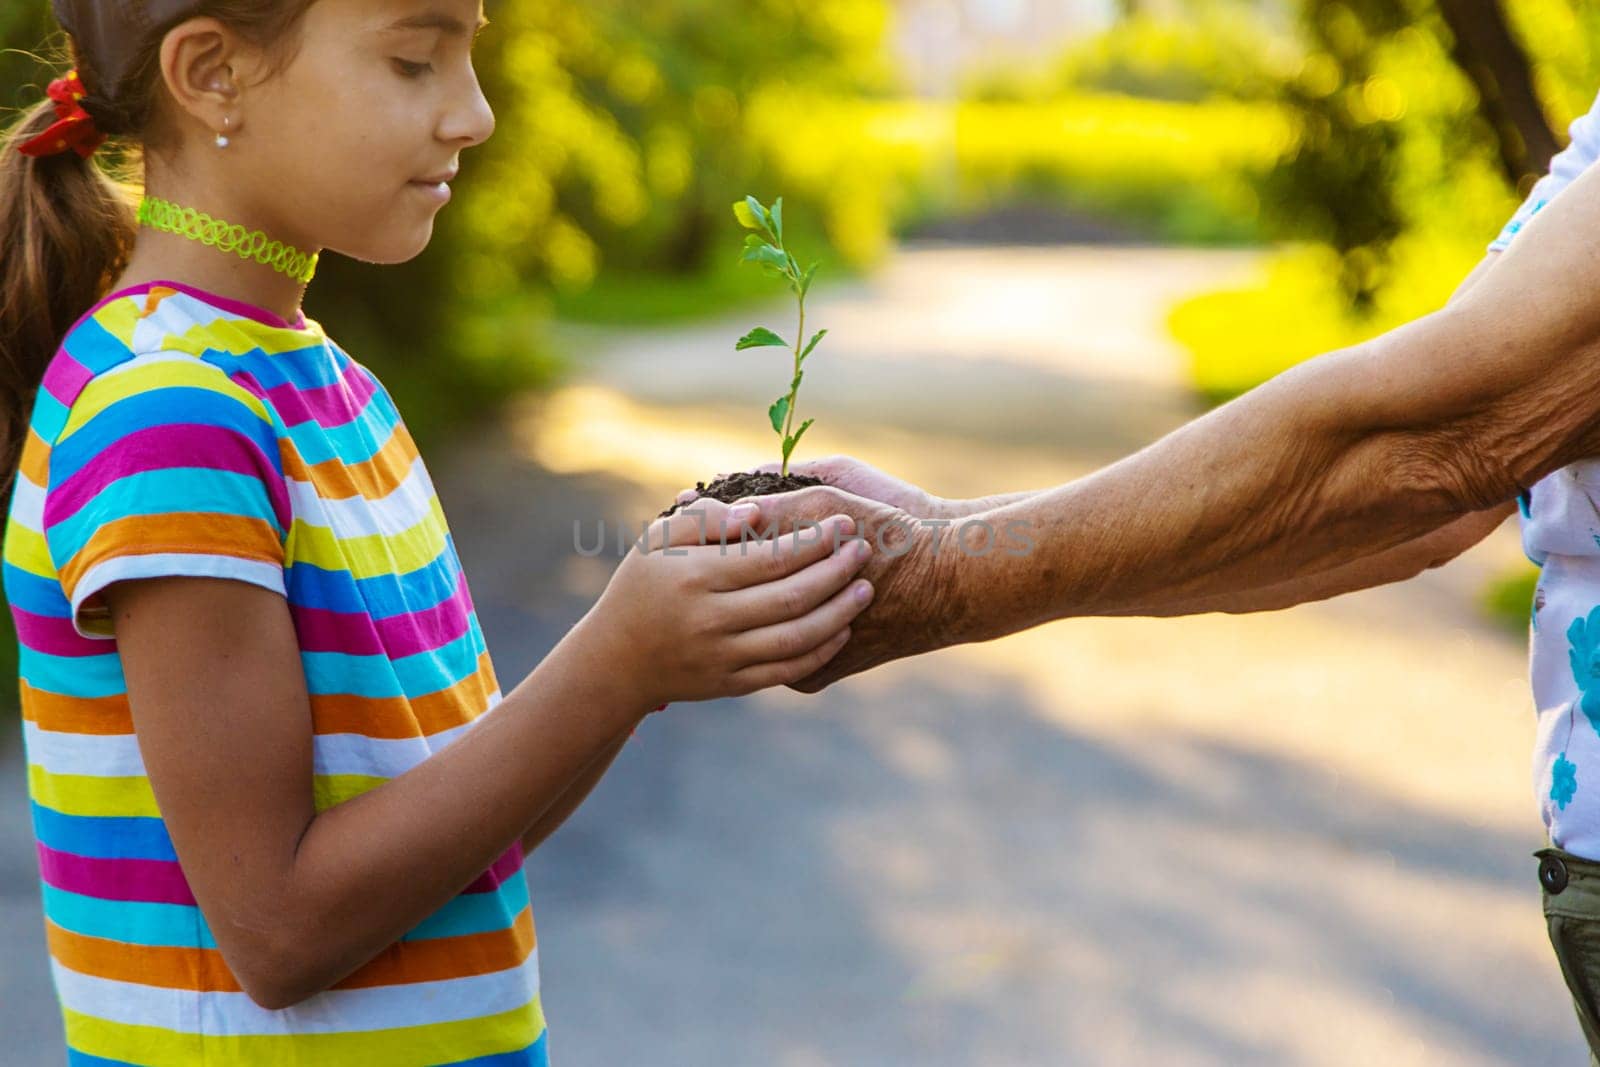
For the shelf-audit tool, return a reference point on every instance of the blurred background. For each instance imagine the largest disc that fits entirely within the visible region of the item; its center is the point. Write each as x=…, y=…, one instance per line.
x=1050, y=231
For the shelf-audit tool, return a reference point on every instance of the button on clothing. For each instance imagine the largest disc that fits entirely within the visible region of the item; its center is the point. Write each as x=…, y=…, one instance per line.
x=179, y=433
x=1552, y=874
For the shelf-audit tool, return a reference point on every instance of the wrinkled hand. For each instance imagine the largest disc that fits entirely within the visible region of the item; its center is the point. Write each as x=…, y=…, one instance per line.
x=864, y=480
x=858, y=479
x=908, y=570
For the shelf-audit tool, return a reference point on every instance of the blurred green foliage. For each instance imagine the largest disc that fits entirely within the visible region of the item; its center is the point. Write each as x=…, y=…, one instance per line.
x=1394, y=176
x=1508, y=600
x=1220, y=51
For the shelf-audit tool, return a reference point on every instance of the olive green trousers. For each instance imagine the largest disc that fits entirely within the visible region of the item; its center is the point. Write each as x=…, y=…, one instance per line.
x=1571, y=887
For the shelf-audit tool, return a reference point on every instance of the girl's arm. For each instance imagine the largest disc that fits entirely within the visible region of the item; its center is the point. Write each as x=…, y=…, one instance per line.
x=573, y=798
x=299, y=889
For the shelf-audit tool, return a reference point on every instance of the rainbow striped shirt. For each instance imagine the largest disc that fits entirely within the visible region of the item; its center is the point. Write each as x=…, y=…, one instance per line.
x=180, y=433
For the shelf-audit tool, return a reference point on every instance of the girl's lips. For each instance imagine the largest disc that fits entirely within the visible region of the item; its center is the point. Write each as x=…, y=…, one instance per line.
x=440, y=191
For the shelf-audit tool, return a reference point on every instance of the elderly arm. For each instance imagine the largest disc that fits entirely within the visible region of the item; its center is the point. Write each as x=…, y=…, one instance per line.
x=1356, y=451
x=1397, y=564
x=1349, y=454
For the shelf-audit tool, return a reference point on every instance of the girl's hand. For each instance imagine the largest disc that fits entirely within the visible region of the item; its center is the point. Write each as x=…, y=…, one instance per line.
x=692, y=618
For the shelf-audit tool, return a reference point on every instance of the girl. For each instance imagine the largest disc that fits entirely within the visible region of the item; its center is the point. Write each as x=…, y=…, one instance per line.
x=281, y=804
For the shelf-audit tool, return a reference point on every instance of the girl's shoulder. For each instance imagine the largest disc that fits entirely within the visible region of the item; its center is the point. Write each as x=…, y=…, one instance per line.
x=170, y=321
x=171, y=316
x=164, y=351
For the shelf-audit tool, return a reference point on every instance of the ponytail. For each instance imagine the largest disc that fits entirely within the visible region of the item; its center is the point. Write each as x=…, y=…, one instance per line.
x=66, y=231
x=67, y=224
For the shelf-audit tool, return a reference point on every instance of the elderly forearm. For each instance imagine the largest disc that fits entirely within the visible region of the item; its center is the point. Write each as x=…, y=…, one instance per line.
x=962, y=509
x=1378, y=567
x=1305, y=473
x=1396, y=564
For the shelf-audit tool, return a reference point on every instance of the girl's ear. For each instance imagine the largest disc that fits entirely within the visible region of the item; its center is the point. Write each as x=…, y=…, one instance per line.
x=202, y=64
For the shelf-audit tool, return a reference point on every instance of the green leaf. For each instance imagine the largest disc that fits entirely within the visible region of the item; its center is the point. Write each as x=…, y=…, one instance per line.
x=794, y=386
x=819, y=335
x=777, y=219
x=777, y=413
x=790, y=442
x=765, y=255
x=805, y=280
x=760, y=337
x=749, y=219
x=760, y=213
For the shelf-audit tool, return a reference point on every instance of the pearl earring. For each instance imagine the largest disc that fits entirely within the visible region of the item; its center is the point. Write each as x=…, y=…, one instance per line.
x=222, y=138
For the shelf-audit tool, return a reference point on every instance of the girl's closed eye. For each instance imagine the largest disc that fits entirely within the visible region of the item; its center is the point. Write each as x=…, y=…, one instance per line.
x=410, y=69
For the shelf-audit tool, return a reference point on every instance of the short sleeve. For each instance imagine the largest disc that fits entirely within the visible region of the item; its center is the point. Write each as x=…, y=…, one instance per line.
x=1583, y=148
x=164, y=467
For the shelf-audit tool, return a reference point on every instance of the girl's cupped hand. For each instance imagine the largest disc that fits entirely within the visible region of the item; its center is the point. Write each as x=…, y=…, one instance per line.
x=705, y=607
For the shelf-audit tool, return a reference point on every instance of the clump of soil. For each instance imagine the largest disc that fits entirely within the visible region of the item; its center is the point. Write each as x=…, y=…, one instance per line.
x=731, y=487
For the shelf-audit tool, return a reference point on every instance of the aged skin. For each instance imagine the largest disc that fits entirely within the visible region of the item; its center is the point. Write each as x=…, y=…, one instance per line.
x=1363, y=466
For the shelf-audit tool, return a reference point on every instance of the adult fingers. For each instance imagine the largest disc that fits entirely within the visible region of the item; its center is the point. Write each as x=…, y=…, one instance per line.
x=797, y=594
x=817, y=468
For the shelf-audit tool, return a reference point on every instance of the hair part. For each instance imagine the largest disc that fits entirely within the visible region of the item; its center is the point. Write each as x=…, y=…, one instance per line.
x=67, y=224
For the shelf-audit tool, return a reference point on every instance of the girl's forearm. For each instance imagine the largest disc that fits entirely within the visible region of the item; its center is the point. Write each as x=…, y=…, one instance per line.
x=369, y=870
x=573, y=798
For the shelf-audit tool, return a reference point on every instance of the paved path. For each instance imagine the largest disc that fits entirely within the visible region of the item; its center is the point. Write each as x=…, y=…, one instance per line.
x=1294, y=838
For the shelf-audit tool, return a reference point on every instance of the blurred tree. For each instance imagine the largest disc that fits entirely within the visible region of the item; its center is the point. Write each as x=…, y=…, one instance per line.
x=1342, y=184
x=22, y=28
x=679, y=76
x=1338, y=185
x=1483, y=46
x=620, y=138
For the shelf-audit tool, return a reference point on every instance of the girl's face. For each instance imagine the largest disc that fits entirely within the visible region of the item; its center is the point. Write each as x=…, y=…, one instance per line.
x=351, y=145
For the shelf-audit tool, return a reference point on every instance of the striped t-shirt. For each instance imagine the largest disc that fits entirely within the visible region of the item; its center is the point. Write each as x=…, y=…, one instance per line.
x=180, y=433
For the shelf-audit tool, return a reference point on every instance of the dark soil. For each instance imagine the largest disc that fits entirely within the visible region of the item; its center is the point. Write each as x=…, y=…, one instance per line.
x=731, y=487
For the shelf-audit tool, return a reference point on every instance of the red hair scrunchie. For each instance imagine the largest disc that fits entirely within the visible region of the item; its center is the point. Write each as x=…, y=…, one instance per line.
x=73, y=130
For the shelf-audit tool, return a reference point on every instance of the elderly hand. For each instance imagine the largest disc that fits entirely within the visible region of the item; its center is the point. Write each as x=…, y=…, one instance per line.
x=864, y=480
x=907, y=571
x=859, y=479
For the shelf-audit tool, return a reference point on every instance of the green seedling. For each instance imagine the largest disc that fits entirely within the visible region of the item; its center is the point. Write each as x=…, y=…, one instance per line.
x=765, y=248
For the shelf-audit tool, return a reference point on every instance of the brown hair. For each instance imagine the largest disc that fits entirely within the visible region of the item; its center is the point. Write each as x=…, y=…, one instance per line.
x=67, y=223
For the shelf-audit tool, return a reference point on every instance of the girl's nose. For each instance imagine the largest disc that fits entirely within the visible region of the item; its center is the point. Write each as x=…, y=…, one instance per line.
x=472, y=122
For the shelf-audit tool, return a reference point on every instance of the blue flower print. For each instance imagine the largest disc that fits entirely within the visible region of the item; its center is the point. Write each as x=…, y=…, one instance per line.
x=1563, y=781
x=1584, y=637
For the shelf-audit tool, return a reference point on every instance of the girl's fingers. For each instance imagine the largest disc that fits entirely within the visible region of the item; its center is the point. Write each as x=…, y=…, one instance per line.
x=707, y=522
x=796, y=595
x=766, y=675
x=792, y=639
x=741, y=565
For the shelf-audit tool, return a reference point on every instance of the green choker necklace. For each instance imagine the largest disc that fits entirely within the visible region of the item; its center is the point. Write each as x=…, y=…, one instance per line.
x=164, y=215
